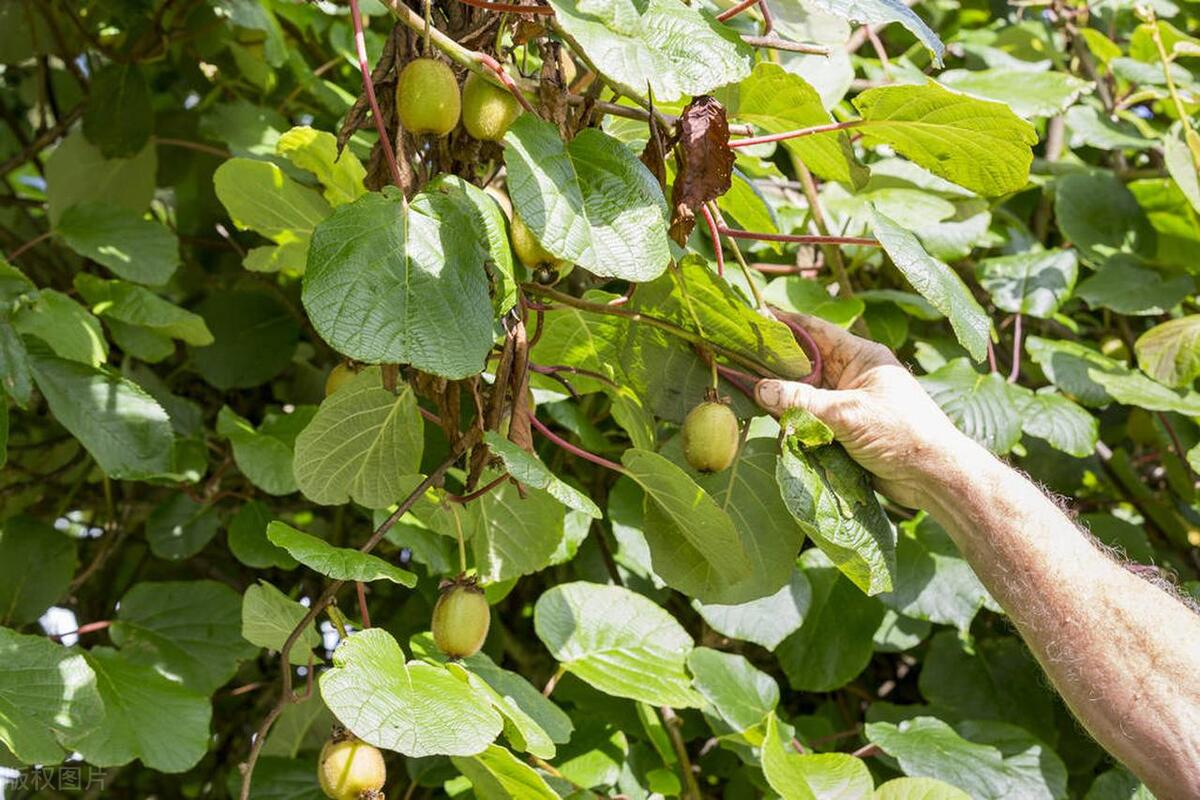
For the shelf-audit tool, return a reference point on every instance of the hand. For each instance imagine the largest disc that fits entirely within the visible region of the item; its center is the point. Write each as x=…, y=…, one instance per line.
x=877, y=410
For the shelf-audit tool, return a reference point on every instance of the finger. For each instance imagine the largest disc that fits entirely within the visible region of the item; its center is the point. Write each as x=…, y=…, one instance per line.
x=777, y=397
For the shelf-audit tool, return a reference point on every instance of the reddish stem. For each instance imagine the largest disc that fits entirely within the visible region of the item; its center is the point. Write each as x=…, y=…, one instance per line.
x=430, y=416
x=730, y=13
x=34, y=242
x=624, y=298
x=809, y=345
x=715, y=233
x=768, y=18
x=795, y=134
x=861, y=241
x=509, y=8
x=741, y=381
x=1016, y=356
x=587, y=373
x=362, y=604
x=466, y=498
x=91, y=627
x=360, y=46
x=497, y=70
x=570, y=448
x=991, y=353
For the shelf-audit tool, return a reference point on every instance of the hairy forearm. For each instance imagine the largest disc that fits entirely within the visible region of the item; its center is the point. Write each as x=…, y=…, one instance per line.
x=1123, y=653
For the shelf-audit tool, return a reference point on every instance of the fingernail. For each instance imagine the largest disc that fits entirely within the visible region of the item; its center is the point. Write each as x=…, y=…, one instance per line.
x=768, y=393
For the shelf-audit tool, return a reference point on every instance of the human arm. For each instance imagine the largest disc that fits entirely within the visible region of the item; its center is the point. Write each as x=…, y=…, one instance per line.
x=1122, y=652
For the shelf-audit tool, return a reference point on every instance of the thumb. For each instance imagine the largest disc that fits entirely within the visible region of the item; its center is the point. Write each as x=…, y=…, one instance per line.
x=777, y=397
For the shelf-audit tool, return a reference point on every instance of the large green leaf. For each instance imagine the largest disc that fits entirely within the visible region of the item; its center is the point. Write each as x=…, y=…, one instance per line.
x=766, y=621
x=1018, y=767
x=937, y=283
x=882, y=12
x=1094, y=379
x=1123, y=285
x=130, y=246
x=618, y=641
x=135, y=305
x=119, y=117
x=978, y=144
x=146, y=716
x=933, y=581
x=672, y=48
x=836, y=639
x=47, y=693
x=590, y=201
x=777, y=100
x=1099, y=215
x=831, y=498
x=529, y=470
x=1059, y=421
x=697, y=549
x=70, y=329
x=738, y=692
x=265, y=455
x=1170, y=352
x=918, y=789
x=269, y=617
x=187, y=630
x=514, y=535
x=386, y=284
x=78, y=172
x=339, y=563
x=1030, y=94
x=414, y=708
x=260, y=197
x=340, y=173
x=362, y=444
x=124, y=429
x=254, y=333
x=36, y=566
x=984, y=406
x=1034, y=283
x=247, y=538
x=496, y=774
x=815, y=776
x=180, y=527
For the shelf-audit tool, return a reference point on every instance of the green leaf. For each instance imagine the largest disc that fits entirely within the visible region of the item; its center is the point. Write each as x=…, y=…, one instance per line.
x=119, y=117
x=491, y=226
x=933, y=581
x=998, y=681
x=1034, y=283
x=699, y=552
x=265, y=455
x=268, y=618
x=124, y=429
x=837, y=638
x=1122, y=285
x=978, y=144
x=186, y=630
x=777, y=101
x=339, y=563
x=513, y=535
x=766, y=621
x=36, y=566
x=135, y=305
x=1091, y=127
x=47, y=693
x=78, y=172
x=918, y=789
x=529, y=470
x=388, y=286
x=146, y=716
x=1060, y=422
x=937, y=283
x=363, y=444
x=675, y=50
x=247, y=539
x=928, y=747
x=816, y=776
x=1181, y=164
x=1029, y=94
x=1101, y=217
x=590, y=201
x=696, y=298
x=414, y=708
x=831, y=498
x=123, y=240
x=259, y=197
x=804, y=296
x=279, y=778
x=181, y=527
x=341, y=174
x=883, y=12
x=739, y=693
x=254, y=334
x=3, y=431
x=15, y=374
x=986, y=407
x=1117, y=784
x=619, y=642
x=496, y=774
x=70, y=329
x=1170, y=352
x=1095, y=380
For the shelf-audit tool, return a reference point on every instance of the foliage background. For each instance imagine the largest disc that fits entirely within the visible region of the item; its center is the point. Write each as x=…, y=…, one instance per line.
x=188, y=258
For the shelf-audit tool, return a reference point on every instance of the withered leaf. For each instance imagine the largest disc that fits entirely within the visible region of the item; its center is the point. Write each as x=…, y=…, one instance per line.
x=706, y=163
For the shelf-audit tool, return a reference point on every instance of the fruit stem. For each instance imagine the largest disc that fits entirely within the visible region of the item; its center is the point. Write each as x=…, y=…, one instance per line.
x=554, y=679
x=759, y=302
x=360, y=47
x=540, y=427
x=462, y=546
x=497, y=70
x=715, y=235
